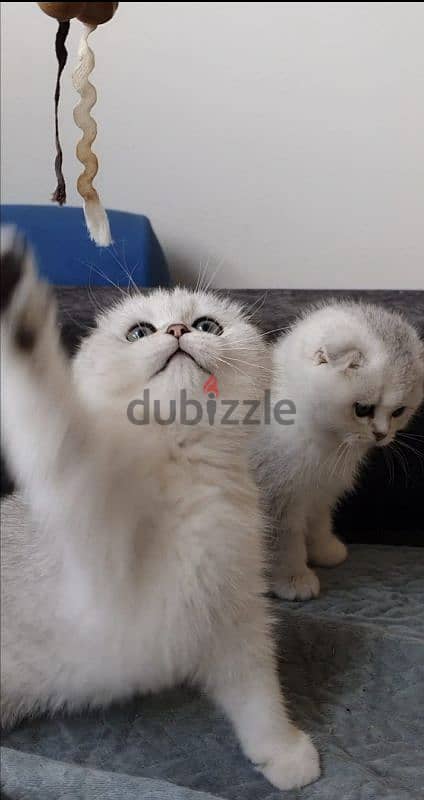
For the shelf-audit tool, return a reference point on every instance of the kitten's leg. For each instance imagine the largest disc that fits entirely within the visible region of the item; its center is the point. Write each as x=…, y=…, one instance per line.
x=243, y=680
x=324, y=548
x=35, y=382
x=292, y=579
x=50, y=441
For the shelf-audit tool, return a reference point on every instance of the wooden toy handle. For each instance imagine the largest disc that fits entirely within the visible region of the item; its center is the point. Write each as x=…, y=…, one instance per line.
x=89, y=13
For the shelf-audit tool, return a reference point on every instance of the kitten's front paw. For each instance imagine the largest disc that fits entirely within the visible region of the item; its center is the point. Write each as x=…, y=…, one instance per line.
x=27, y=305
x=328, y=552
x=296, y=587
x=292, y=764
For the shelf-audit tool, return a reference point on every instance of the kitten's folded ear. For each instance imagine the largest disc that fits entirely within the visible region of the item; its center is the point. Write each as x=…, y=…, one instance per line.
x=342, y=360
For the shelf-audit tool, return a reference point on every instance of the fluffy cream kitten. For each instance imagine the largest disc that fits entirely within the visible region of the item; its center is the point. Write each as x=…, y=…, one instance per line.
x=141, y=562
x=356, y=376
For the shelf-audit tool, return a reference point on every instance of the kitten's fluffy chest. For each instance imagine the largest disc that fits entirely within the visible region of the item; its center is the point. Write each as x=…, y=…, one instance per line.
x=329, y=466
x=184, y=571
x=179, y=554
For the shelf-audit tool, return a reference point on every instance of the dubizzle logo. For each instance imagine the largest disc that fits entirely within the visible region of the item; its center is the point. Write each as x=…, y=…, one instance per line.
x=191, y=411
x=210, y=386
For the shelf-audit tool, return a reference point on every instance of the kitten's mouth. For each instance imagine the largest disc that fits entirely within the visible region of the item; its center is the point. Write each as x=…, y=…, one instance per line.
x=184, y=354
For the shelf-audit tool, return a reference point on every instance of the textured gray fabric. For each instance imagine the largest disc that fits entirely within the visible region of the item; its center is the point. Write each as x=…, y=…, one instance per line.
x=54, y=780
x=352, y=663
x=272, y=308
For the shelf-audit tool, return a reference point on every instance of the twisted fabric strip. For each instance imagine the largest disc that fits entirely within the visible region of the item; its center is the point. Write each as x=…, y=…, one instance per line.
x=95, y=215
x=59, y=194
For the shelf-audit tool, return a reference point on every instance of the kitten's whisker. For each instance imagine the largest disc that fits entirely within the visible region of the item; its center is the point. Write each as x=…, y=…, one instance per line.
x=252, y=337
x=251, y=379
x=401, y=460
x=388, y=458
x=214, y=274
x=341, y=458
x=416, y=436
x=106, y=278
x=346, y=460
x=201, y=276
x=251, y=311
x=413, y=450
x=337, y=457
x=125, y=268
x=96, y=305
x=250, y=347
x=276, y=330
x=326, y=461
x=248, y=363
x=83, y=325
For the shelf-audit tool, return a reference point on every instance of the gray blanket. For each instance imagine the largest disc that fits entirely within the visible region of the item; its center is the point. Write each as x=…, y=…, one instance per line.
x=352, y=663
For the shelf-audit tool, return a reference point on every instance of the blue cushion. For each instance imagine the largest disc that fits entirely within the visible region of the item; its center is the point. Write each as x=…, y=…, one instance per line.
x=67, y=257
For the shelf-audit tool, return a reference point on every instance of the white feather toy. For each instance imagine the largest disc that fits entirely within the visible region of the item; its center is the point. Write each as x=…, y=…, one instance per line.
x=91, y=15
x=95, y=215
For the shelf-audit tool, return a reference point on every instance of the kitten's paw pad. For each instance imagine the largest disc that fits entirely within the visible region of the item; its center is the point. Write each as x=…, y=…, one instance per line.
x=27, y=305
x=297, y=587
x=328, y=553
x=292, y=764
x=13, y=256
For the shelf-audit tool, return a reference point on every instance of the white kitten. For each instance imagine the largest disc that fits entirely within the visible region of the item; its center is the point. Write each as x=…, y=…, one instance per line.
x=142, y=565
x=355, y=374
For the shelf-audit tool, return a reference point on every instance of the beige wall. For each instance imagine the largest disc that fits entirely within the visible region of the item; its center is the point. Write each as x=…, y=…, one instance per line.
x=282, y=141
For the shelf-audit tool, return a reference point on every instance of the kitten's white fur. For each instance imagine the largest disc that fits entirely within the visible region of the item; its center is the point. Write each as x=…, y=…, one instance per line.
x=335, y=356
x=141, y=563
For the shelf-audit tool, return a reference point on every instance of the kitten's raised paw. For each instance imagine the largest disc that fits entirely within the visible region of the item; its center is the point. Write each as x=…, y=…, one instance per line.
x=328, y=552
x=27, y=305
x=296, y=587
x=13, y=255
x=292, y=764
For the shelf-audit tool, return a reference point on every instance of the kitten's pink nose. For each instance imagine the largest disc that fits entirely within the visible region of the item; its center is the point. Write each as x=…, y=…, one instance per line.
x=177, y=330
x=379, y=436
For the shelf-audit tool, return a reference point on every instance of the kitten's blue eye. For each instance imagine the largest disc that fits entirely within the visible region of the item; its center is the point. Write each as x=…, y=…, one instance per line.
x=139, y=331
x=399, y=411
x=362, y=410
x=207, y=325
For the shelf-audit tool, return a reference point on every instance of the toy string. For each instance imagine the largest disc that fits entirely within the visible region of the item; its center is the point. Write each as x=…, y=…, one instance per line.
x=59, y=194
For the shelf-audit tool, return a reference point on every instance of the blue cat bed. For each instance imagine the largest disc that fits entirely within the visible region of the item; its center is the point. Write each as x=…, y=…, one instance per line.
x=67, y=257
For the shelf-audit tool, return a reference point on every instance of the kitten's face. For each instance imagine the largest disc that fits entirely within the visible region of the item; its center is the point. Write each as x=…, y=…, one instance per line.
x=368, y=404
x=168, y=341
x=365, y=369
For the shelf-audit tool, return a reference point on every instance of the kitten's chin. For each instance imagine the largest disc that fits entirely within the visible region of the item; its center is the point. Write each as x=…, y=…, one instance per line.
x=385, y=442
x=181, y=361
x=181, y=371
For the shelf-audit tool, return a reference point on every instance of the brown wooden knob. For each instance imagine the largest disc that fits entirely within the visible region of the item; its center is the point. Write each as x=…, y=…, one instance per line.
x=89, y=13
x=97, y=13
x=64, y=11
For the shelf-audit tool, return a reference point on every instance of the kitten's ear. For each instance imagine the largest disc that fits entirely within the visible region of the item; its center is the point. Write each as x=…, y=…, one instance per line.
x=321, y=357
x=342, y=360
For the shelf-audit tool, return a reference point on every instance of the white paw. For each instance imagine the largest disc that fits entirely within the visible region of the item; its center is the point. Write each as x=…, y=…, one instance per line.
x=296, y=587
x=292, y=764
x=328, y=553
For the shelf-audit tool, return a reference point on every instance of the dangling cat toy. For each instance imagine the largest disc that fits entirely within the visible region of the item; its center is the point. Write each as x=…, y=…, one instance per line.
x=91, y=15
